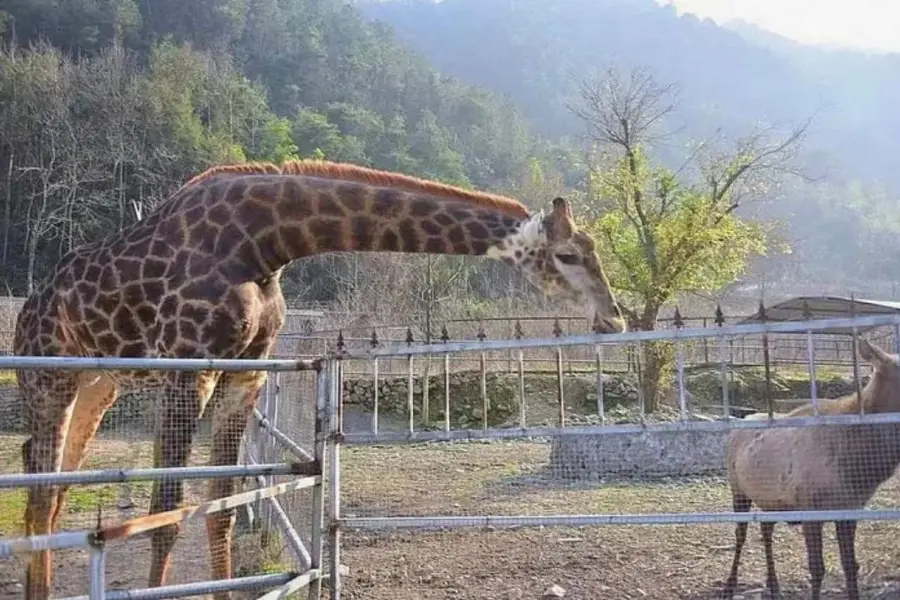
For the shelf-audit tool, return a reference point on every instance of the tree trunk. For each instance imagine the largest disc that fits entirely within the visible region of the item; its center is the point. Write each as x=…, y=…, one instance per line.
x=655, y=358
x=32, y=261
x=651, y=375
x=7, y=220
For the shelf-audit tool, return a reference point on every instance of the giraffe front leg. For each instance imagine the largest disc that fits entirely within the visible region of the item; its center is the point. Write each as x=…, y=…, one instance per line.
x=181, y=406
x=93, y=400
x=237, y=394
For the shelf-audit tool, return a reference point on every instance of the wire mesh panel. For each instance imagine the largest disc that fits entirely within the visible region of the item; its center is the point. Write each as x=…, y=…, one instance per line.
x=689, y=456
x=189, y=422
x=280, y=537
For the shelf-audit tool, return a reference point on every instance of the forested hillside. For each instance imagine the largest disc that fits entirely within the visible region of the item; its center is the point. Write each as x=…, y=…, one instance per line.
x=536, y=50
x=107, y=105
x=842, y=223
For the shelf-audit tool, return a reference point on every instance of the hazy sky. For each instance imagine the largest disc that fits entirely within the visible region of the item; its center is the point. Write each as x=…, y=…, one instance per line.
x=866, y=24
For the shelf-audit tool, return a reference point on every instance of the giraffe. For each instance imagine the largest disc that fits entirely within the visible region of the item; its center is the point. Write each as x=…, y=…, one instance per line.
x=199, y=277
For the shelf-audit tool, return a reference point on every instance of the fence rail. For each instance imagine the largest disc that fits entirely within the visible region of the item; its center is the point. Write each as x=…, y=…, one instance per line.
x=686, y=423
x=304, y=472
x=273, y=451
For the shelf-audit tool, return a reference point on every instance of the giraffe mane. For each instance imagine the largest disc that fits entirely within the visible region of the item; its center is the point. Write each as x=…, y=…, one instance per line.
x=359, y=174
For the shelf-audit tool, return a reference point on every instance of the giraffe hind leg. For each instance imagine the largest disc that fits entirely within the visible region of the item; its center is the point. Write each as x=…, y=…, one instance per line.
x=48, y=398
x=237, y=394
x=181, y=405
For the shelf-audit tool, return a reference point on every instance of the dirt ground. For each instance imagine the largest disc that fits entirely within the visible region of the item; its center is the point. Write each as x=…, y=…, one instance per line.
x=501, y=478
x=658, y=562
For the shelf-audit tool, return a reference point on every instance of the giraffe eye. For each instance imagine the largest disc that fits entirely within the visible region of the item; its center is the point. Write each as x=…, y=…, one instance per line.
x=567, y=258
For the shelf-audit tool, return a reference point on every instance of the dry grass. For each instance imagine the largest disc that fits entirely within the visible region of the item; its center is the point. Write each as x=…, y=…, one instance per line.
x=660, y=562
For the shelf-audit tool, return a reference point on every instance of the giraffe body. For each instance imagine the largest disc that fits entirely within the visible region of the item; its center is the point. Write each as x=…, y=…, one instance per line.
x=199, y=277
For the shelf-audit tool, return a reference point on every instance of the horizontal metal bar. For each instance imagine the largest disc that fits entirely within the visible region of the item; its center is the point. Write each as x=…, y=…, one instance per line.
x=37, y=543
x=16, y=480
x=286, y=442
x=623, y=338
x=79, y=363
x=417, y=437
x=291, y=586
x=140, y=525
x=506, y=522
x=253, y=582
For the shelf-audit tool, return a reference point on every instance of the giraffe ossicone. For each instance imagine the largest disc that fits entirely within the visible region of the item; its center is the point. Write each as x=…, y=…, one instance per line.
x=199, y=277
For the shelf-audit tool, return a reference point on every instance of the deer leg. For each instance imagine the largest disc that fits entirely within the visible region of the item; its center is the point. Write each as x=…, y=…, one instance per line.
x=846, y=534
x=771, y=578
x=182, y=405
x=740, y=503
x=236, y=395
x=48, y=398
x=91, y=404
x=812, y=533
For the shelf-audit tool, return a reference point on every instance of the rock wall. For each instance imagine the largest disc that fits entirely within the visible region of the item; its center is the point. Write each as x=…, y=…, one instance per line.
x=684, y=453
x=644, y=455
x=747, y=386
x=465, y=397
x=466, y=410
x=133, y=411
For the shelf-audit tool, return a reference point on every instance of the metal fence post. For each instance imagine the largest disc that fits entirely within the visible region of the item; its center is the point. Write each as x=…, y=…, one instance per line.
x=679, y=366
x=317, y=545
x=720, y=322
x=335, y=584
x=97, y=573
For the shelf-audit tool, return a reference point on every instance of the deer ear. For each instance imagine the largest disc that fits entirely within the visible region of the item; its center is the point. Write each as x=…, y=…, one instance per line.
x=873, y=354
x=563, y=224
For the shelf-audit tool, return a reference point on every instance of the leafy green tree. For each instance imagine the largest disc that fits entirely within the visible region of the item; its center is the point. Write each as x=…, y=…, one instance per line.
x=431, y=147
x=312, y=132
x=276, y=144
x=662, y=234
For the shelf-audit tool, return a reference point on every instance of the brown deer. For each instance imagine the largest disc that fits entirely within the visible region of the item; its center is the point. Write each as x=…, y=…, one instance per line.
x=822, y=467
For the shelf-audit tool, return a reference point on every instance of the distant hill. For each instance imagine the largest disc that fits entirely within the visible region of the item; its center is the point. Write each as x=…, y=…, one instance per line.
x=729, y=76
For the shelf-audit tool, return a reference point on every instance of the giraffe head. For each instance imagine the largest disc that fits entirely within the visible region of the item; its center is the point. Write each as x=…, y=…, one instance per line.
x=562, y=261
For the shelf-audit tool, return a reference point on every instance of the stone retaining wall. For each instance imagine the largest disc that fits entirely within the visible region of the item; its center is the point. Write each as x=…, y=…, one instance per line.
x=656, y=454
x=674, y=453
x=134, y=411
x=466, y=410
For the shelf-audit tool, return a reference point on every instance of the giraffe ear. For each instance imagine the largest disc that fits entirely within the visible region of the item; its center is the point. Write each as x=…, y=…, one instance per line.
x=563, y=226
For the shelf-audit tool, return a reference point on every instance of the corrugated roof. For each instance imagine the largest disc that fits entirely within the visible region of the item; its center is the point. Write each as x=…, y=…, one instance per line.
x=825, y=307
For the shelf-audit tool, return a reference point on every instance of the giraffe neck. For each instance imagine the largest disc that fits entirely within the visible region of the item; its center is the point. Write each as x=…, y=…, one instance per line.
x=267, y=221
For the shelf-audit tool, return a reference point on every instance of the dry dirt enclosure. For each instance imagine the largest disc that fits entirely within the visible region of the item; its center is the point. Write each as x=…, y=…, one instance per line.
x=508, y=478
x=687, y=562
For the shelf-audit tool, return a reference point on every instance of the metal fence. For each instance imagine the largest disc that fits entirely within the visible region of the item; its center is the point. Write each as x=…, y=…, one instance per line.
x=278, y=548
x=404, y=489
x=415, y=491
x=787, y=349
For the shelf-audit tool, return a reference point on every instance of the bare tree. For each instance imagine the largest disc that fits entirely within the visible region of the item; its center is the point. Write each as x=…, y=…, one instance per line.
x=671, y=231
x=624, y=111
